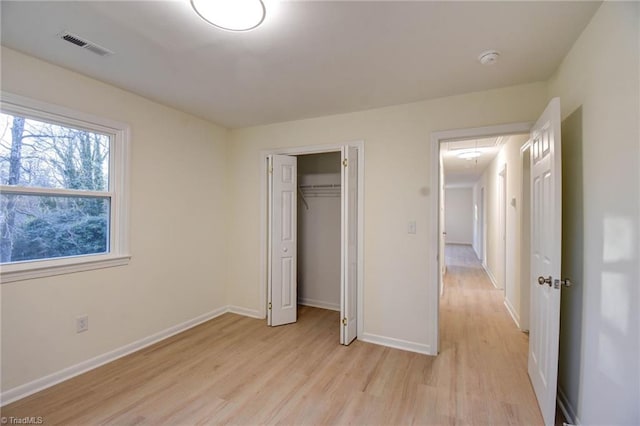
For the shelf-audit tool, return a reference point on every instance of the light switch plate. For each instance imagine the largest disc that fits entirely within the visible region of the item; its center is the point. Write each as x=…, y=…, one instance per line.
x=411, y=229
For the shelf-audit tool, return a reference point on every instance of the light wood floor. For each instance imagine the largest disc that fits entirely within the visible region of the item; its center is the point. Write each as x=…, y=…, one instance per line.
x=236, y=370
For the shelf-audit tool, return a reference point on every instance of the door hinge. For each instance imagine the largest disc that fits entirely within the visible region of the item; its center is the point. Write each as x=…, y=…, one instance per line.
x=271, y=170
x=269, y=307
x=344, y=321
x=344, y=162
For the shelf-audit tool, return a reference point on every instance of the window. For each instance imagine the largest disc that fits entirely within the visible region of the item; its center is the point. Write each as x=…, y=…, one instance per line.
x=63, y=186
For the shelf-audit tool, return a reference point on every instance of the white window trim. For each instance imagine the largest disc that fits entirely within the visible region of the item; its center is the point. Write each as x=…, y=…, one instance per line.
x=119, y=164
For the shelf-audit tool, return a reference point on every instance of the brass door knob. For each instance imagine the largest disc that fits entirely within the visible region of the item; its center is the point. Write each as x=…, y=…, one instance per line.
x=542, y=280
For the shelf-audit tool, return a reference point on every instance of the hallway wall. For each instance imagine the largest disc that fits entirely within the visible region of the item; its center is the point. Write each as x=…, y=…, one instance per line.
x=505, y=274
x=458, y=212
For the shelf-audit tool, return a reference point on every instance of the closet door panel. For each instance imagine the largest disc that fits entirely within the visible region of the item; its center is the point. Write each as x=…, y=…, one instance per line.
x=350, y=245
x=282, y=242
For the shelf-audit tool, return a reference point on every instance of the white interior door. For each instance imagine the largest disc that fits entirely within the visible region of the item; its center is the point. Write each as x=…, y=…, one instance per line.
x=525, y=229
x=349, y=281
x=282, y=256
x=481, y=225
x=546, y=231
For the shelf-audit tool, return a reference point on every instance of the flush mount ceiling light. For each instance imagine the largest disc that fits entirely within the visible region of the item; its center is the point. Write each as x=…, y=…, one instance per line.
x=469, y=155
x=231, y=15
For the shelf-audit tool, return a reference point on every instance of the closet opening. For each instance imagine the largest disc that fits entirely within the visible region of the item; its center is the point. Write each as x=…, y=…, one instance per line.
x=319, y=227
x=312, y=210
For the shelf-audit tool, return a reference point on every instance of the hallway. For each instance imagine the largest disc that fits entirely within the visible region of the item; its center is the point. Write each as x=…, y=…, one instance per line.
x=486, y=352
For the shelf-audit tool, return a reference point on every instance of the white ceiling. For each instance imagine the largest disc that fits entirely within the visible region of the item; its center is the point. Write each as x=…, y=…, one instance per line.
x=459, y=172
x=310, y=58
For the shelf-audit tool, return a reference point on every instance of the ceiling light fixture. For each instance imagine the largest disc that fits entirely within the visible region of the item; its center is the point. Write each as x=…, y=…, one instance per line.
x=231, y=15
x=469, y=155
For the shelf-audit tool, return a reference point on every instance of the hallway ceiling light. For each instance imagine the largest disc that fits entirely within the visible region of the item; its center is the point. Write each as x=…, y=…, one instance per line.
x=469, y=155
x=231, y=15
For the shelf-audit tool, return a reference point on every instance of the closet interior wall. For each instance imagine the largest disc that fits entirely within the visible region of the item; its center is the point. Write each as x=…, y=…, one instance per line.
x=319, y=230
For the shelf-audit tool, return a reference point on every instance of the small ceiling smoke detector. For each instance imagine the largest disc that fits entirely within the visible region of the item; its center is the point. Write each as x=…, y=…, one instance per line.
x=489, y=57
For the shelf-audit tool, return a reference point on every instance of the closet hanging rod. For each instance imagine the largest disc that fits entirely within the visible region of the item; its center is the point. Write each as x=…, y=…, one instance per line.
x=327, y=195
x=323, y=186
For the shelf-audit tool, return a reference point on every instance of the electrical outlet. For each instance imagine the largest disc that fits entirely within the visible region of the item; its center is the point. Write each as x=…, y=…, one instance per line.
x=82, y=323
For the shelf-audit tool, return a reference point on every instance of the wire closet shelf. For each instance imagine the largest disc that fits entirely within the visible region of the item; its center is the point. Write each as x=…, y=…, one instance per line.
x=324, y=190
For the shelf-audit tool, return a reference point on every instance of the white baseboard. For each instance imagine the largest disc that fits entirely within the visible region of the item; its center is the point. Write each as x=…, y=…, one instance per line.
x=490, y=275
x=476, y=251
x=319, y=304
x=42, y=383
x=405, y=345
x=512, y=312
x=245, y=312
x=567, y=409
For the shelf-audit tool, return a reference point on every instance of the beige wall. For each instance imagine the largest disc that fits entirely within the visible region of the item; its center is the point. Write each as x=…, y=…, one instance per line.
x=177, y=234
x=492, y=259
x=514, y=241
x=598, y=85
x=397, y=173
x=508, y=157
x=459, y=215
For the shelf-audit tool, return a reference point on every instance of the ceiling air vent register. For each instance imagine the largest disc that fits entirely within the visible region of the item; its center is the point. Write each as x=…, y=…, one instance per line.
x=84, y=43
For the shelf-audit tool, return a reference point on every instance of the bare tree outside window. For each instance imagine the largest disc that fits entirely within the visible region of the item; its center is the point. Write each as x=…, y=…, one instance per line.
x=37, y=219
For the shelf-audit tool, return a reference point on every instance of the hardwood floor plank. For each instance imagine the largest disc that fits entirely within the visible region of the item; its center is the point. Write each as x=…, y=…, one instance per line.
x=237, y=371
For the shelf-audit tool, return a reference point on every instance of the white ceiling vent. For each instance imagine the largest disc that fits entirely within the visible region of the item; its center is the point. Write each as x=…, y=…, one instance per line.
x=84, y=43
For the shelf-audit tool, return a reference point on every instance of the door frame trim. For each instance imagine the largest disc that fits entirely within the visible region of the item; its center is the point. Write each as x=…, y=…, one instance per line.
x=434, y=233
x=502, y=223
x=303, y=150
x=525, y=237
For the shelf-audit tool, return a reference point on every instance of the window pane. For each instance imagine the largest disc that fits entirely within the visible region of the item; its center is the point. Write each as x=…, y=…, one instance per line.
x=43, y=227
x=44, y=155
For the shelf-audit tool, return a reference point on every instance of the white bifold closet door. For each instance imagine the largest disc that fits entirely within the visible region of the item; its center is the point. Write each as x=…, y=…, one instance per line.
x=282, y=242
x=282, y=262
x=349, y=281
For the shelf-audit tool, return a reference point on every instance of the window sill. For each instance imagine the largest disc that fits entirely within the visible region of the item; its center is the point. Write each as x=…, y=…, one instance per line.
x=31, y=270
